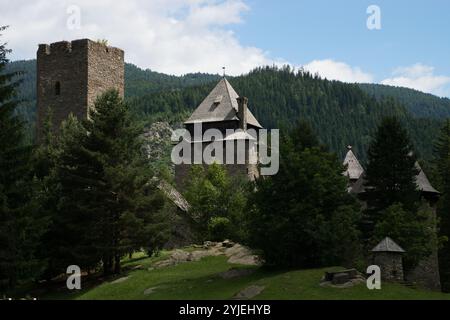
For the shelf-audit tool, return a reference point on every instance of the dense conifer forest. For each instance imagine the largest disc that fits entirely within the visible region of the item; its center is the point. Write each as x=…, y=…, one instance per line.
x=342, y=114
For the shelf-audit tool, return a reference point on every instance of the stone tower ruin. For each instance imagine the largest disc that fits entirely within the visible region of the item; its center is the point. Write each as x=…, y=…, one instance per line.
x=71, y=75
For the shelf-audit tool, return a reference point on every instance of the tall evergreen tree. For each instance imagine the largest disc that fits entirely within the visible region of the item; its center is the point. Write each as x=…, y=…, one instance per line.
x=442, y=155
x=20, y=225
x=109, y=205
x=391, y=171
x=304, y=216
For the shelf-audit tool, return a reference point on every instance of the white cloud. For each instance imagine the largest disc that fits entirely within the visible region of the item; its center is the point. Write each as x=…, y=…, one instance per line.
x=420, y=77
x=170, y=36
x=176, y=37
x=335, y=70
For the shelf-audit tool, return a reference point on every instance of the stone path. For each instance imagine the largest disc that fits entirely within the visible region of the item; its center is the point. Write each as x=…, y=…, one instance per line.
x=249, y=292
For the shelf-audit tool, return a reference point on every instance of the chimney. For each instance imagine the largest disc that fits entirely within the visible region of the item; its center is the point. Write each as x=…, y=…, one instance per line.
x=242, y=112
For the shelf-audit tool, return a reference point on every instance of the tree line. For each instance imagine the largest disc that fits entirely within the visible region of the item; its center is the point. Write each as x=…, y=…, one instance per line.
x=84, y=196
x=341, y=113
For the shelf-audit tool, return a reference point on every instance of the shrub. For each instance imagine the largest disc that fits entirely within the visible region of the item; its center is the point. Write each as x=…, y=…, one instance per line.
x=219, y=229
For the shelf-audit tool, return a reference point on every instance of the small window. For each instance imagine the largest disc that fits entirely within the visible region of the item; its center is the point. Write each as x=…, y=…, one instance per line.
x=57, y=88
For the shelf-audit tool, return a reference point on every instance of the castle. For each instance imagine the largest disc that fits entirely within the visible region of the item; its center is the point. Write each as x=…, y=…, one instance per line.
x=71, y=75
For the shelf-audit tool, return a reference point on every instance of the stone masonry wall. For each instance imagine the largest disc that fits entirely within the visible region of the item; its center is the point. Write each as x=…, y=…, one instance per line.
x=70, y=75
x=106, y=70
x=391, y=265
x=426, y=274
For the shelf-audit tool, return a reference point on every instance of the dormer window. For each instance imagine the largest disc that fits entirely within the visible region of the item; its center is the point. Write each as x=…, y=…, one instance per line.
x=218, y=100
x=57, y=88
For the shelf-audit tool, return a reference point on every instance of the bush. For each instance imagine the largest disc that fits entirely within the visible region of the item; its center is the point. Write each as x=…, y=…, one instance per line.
x=413, y=231
x=212, y=192
x=219, y=229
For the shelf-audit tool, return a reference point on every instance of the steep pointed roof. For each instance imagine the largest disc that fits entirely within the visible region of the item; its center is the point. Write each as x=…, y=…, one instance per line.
x=354, y=168
x=220, y=105
x=388, y=245
x=423, y=184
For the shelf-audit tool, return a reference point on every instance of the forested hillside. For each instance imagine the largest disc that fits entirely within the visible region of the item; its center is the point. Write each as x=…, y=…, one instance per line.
x=342, y=114
x=138, y=82
x=418, y=103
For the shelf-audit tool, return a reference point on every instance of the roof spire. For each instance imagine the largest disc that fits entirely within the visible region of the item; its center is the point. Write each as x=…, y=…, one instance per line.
x=354, y=168
x=224, y=75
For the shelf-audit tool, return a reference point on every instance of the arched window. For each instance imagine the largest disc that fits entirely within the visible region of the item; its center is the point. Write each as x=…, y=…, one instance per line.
x=57, y=88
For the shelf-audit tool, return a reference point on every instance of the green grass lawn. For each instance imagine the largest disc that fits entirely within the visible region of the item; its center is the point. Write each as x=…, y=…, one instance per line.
x=200, y=280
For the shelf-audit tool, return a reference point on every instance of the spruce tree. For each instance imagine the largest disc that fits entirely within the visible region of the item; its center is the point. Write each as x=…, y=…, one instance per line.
x=20, y=224
x=391, y=171
x=109, y=203
x=304, y=216
x=442, y=162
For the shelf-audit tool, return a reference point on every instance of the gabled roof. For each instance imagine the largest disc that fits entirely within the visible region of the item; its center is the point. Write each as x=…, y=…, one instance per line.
x=220, y=105
x=356, y=172
x=423, y=184
x=354, y=168
x=388, y=245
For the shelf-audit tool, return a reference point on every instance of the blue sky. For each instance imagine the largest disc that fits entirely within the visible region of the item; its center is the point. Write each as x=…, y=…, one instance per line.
x=328, y=37
x=300, y=31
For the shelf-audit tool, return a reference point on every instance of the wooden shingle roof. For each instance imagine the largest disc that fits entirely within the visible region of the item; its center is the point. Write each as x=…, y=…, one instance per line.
x=423, y=184
x=388, y=245
x=354, y=168
x=220, y=105
x=356, y=172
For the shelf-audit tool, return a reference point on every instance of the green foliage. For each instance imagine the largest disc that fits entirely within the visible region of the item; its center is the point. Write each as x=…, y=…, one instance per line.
x=421, y=105
x=303, y=216
x=413, y=231
x=102, y=41
x=21, y=226
x=212, y=193
x=106, y=203
x=219, y=228
x=391, y=171
x=442, y=165
x=341, y=113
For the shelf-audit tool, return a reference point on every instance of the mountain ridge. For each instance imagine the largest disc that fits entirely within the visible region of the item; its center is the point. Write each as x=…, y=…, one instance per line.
x=341, y=113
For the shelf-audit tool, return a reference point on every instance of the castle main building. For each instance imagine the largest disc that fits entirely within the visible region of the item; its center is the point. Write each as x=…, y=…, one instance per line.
x=224, y=110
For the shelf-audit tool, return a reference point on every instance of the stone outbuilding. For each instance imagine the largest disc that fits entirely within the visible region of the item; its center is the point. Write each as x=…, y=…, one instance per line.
x=389, y=257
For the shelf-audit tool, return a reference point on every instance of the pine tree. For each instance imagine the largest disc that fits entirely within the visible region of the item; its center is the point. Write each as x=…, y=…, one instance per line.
x=391, y=171
x=20, y=225
x=442, y=161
